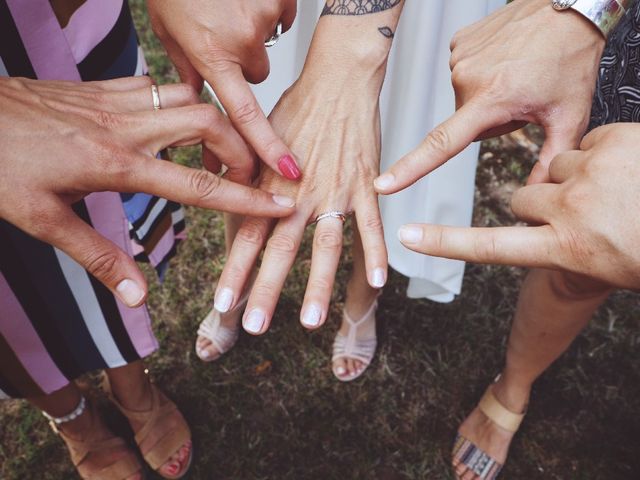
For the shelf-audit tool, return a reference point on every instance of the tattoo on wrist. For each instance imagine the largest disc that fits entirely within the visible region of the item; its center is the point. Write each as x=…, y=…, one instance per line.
x=387, y=32
x=357, y=7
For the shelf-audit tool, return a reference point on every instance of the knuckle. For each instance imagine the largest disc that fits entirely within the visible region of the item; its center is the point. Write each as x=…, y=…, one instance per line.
x=108, y=120
x=321, y=284
x=438, y=140
x=102, y=265
x=264, y=290
x=282, y=243
x=247, y=113
x=207, y=117
x=251, y=233
x=204, y=184
x=485, y=248
x=328, y=240
x=371, y=224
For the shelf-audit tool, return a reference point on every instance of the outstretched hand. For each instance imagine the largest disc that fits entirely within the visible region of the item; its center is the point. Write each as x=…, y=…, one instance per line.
x=588, y=221
x=525, y=63
x=223, y=42
x=62, y=141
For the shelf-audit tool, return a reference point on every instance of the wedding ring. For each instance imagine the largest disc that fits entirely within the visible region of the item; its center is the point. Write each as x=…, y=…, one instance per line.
x=275, y=37
x=156, y=97
x=334, y=214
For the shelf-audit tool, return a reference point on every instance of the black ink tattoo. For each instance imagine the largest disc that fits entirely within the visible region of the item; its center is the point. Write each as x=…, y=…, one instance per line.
x=357, y=7
x=387, y=32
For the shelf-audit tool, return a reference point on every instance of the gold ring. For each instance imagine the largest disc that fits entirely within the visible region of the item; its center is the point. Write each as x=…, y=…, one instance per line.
x=156, y=97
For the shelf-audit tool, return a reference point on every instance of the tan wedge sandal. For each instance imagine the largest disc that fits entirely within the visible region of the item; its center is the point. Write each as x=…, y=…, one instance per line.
x=81, y=450
x=171, y=437
x=470, y=455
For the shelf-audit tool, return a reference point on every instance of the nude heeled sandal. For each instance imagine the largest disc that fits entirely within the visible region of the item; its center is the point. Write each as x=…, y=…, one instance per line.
x=171, y=437
x=467, y=453
x=350, y=346
x=81, y=449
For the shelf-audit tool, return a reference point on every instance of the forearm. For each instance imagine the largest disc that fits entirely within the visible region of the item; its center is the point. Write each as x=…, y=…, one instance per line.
x=352, y=41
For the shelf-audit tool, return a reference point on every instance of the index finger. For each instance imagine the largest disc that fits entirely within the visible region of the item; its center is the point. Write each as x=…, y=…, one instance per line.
x=198, y=188
x=443, y=143
x=246, y=115
x=517, y=246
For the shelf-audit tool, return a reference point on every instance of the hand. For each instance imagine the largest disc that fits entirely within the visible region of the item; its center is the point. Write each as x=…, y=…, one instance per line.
x=223, y=42
x=525, y=63
x=334, y=127
x=589, y=221
x=63, y=140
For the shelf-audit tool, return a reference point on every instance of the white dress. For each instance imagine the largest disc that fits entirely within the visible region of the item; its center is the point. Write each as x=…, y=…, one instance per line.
x=416, y=97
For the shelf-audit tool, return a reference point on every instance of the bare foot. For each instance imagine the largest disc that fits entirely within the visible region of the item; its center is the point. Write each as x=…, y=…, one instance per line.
x=485, y=434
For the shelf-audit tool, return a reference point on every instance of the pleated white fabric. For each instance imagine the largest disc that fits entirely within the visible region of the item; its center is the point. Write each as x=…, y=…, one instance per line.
x=416, y=97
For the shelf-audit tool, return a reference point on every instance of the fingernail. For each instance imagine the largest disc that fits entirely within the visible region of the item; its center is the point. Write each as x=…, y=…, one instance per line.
x=410, y=234
x=289, y=168
x=254, y=321
x=223, y=300
x=384, y=181
x=312, y=315
x=130, y=292
x=379, y=278
x=284, y=201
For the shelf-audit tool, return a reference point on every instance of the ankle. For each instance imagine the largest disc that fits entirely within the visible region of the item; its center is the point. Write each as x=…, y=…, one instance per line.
x=136, y=396
x=513, y=395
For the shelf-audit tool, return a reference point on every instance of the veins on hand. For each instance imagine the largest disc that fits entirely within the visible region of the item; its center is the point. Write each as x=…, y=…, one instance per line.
x=357, y=7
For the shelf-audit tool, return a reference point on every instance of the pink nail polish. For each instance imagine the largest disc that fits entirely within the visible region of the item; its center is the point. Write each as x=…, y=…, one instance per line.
x=289, y=168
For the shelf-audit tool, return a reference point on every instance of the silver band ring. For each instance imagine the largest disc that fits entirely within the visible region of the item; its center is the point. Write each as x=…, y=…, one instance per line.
x=335, y=214
x=156, y=97
x=275, y=37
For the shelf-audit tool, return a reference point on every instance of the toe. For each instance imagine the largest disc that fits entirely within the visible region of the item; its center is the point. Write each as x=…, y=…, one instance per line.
x=460, y=469
x=171, y=468
x=469, y=475
x=340, y=368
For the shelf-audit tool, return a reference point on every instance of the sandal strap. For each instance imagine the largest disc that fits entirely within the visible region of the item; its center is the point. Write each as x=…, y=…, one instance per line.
x=498, y=413
x=222, y=337
x=481, y=464
x=362, y=350
x=123, y=468
x=169, y=442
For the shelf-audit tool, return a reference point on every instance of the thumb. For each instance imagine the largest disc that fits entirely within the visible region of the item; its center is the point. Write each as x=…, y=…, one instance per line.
x=100, y=257
x=558, y=140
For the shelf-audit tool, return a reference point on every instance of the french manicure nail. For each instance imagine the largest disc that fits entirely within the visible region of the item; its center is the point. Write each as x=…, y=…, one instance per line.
x=284, y=201
x=379, y=278
x=312, y=316
x=130, y=292
x=223, y=300
x=289, y=168
x=384, y=181
x=254, y=321
x=410, y=234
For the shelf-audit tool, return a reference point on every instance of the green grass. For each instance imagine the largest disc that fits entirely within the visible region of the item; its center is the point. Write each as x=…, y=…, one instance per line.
x=271, y=408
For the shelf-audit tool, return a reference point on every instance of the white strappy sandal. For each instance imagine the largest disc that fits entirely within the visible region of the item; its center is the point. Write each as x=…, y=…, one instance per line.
x=350, y=346
x=222, y=337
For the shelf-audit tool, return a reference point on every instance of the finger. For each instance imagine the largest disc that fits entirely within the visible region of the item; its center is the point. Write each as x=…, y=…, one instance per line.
x=187, y=72
x=443, y=143
x=278, y=259
x=245, y=249
x=559, y=139
x=535, y=203
x=100, y=257
x=501, y=130
x=245, y=113
x=289, y=14
x=372, y=235
x=566, y=165
x=138, y=100
x=520, y=246
x=327, y=247
x=198, y=188
x=157, y=130
x=124, y=84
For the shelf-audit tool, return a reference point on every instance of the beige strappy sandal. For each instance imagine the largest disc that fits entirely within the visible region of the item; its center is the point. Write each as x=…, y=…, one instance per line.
x=171, y=437
x=81, y=450
x=350, y=346
x=468, y=454
x=220, y=336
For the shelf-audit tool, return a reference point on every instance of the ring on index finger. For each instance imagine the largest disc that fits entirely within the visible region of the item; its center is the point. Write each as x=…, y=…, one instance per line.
x=275, y=37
